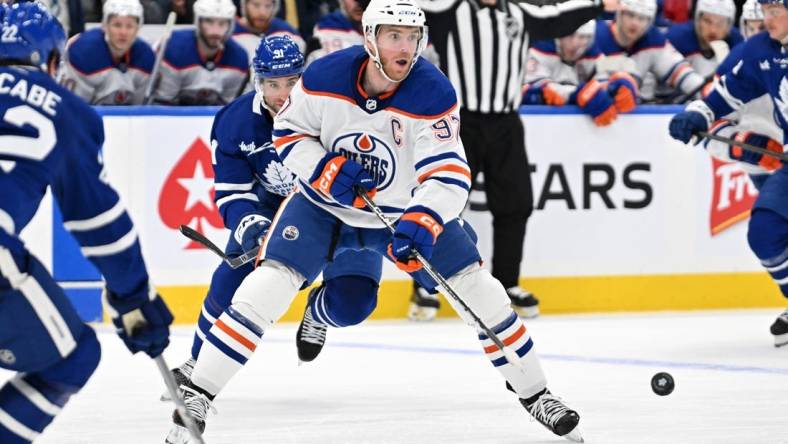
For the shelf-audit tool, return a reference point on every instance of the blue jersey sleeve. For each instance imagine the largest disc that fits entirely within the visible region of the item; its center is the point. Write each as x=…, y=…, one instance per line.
x=740, y=85
x=234, y=178
x=93, y=213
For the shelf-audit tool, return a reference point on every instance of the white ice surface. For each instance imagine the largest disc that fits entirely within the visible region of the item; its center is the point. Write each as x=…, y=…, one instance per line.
x=399, y=382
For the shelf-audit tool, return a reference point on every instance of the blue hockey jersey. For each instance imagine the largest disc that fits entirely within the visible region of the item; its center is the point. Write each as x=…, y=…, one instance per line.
x=249, y=177
x=50, y=138
x=761, y=70
x=684, y=38
x=92, y=73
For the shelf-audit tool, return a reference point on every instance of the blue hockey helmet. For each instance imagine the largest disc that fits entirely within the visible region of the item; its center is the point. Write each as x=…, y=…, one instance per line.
x=277, y=56
x=30, y=34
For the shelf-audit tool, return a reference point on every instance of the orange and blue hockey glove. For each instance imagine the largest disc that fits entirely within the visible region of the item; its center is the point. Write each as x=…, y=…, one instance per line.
x=339, y=177
x=418, y=229
x=768, y=163
x=594, y=99
x=623, y=87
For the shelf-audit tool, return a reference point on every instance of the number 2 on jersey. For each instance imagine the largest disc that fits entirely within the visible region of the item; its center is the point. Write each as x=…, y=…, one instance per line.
x=35, y=148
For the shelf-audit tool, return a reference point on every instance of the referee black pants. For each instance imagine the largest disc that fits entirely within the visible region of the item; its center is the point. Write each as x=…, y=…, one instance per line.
x=495, y=145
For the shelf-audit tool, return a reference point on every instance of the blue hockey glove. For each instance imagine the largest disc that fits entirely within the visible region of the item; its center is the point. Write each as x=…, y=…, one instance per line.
x=251, y=230
x=418, y=230
x=594, y=99
x=142, y=320
x=338, y=177
x=533, y=94
x=766, y=162
x=696, y=117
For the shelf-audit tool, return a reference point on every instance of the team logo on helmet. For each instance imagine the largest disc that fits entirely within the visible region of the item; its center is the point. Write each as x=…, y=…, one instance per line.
x=370, y=152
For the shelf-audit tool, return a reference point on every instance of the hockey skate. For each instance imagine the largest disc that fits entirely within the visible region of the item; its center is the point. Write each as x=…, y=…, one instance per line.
x=198, y=405
x=311, y=334
x=181, y=375
x=552, y=413
x=423, y=306
x=524, y=303
x=780, y=329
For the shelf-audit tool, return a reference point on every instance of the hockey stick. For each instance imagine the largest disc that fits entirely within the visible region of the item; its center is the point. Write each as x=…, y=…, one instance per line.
x=745, y=146
x=234, y=262
x=147, y=98
x=180, y=406
x=510, y=355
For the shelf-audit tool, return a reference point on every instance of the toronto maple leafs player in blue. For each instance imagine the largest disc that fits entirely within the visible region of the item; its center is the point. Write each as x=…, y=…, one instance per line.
x=251, y=183
x=51, y=139
x=761, y=71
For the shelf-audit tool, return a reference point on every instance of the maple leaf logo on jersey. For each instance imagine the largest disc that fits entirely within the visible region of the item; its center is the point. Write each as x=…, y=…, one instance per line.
x=278, y=179
x=782, y=102
x=370, y=152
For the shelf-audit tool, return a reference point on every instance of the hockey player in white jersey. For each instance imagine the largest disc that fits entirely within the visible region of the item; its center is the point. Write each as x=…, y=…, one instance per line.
x=563, y=71
x=251, y=184
x=713, y=22
x=203, y=66
x=359, y=121
x=657, y=64
x=111, y=65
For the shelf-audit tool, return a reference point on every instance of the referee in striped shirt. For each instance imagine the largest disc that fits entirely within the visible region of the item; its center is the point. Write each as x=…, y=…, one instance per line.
x=482, y=46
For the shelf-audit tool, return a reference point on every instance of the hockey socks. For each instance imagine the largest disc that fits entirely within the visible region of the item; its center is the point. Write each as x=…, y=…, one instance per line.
x=230, y=342
x=527, y=381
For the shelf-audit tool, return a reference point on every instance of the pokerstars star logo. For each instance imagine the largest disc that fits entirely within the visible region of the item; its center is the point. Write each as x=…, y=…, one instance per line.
x=187, y=195
x=371, y=152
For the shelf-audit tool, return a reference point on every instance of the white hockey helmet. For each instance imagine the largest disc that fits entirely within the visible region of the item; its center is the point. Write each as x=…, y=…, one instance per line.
x=725, y=8
x=217, y=9
x=646, y=8
x=130, y=8
x=751, y=10
x=397, y=13
x=221, y=9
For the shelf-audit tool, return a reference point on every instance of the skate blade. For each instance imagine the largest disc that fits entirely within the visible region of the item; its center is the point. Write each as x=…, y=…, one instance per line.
x=574, y=435
x=527, y=312
x=781, y=340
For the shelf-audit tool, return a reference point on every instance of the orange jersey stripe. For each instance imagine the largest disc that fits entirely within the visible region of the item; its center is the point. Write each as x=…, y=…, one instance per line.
x=235, y=335
x=453, y=168
x=508, y=341
x=281, y=141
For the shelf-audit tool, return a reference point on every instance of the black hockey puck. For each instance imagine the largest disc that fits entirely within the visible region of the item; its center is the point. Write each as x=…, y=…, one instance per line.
x=662, y=384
